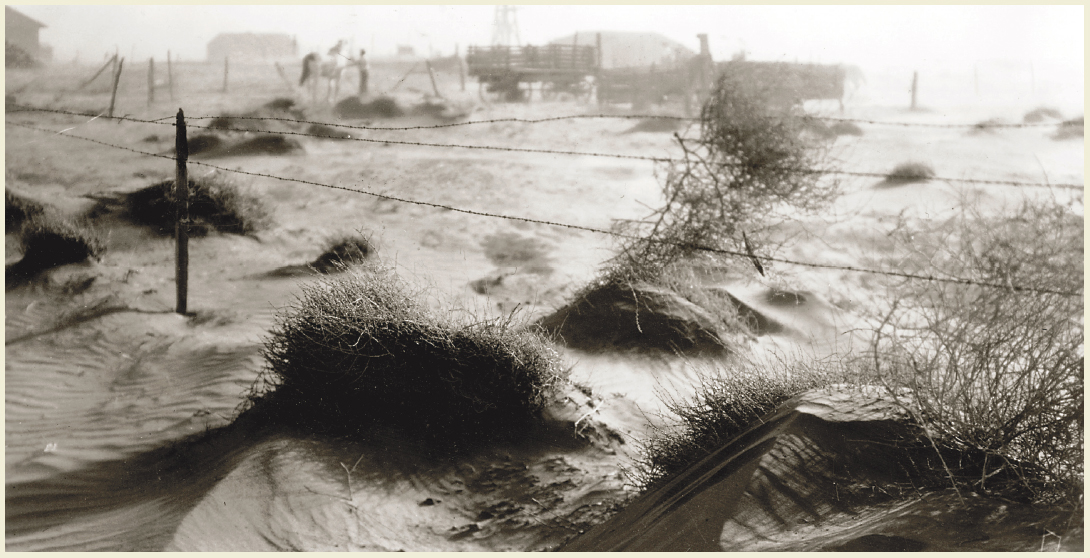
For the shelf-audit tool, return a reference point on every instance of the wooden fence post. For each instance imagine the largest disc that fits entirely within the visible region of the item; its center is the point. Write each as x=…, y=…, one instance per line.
x=225, y=70
x=117, y=78
x=181, y=214
x=431, y=74
x=915, y=83
x=461, y=67
x=170, y=76
x=151, y=81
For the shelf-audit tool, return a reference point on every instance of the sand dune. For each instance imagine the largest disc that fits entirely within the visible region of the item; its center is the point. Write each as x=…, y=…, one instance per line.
x=121, y=424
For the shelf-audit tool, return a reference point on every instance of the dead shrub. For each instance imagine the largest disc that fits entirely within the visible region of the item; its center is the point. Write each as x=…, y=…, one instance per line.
x=358, y=353
x=750, y=162
x=1069, y=129
x=215, y=204
x=729, y=400
x=18, y=209
x=1040, y=114
x=995, y=370
x=343, y=253
x=912, y=171
x=51, y=240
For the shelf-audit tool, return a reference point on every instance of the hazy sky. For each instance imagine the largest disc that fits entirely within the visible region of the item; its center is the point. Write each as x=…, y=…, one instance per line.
x=901, y=36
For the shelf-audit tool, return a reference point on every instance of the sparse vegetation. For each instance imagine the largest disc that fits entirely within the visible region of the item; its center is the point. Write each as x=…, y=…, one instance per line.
x=215, y=204
x=913, y=171
x=844, y=128
x=18, y=209
x=343, y=253
x=1069, y=129
x=359, y=353
x=997, y=371
x=986, y=127
x=727, y=402
x=1040, y=114
x=50, y=240
x=750, y=160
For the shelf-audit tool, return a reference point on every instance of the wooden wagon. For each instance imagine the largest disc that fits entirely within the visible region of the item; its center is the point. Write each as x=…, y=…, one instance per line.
x=557, y=68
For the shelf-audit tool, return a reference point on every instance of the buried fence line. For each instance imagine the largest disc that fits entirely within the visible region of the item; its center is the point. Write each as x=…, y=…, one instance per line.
x=747, y=255
x=859, y=174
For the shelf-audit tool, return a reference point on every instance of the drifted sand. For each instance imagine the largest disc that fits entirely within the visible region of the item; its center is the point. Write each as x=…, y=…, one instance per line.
x=109, y=394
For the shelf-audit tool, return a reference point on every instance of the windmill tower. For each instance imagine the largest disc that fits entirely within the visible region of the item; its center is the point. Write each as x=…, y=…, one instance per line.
x=505, y=27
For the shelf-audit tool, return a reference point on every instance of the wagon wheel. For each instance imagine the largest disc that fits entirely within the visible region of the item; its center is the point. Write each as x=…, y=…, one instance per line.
x=548, y=91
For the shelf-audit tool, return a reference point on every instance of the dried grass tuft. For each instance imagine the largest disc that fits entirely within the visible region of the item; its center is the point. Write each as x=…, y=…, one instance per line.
x=358, y=353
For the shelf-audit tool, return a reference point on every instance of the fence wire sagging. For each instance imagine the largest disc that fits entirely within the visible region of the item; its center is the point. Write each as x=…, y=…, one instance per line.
x=424, y=203
x=223, y=128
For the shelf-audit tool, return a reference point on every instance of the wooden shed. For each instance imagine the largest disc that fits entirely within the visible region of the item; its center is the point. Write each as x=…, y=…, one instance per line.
x=22, y=31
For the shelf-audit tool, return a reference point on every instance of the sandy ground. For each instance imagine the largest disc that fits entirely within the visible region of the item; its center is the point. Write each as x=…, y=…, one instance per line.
x=102, y=383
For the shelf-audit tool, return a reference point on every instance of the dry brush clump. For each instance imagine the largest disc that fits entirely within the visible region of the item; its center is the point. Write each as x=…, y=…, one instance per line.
x=215, y=204
x=728, y=401
x=997, y=371
x=1069, y=129
x=359, y=354
x=751, y=166
x=343, y=252
x=51, y=240
x=18, y=209
x=912, y=171
x=1040, y=114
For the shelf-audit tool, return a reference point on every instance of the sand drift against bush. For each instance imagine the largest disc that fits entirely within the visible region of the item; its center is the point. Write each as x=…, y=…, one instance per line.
x=358, y=352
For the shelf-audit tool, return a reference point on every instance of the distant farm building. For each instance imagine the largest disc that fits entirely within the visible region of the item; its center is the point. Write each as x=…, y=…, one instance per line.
x=632, y=49
x=21, y=36
x=252, y=47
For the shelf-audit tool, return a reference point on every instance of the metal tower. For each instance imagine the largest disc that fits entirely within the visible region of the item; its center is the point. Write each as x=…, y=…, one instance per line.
x=505, y=27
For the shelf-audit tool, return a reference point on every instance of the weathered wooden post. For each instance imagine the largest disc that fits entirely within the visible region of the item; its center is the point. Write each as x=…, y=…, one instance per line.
x=431, y=74
x=151, y=81
x=170, y=76
x=225, y=71
x=915, y=83
x=113, y=95
x=461, y=67
x=181, y=214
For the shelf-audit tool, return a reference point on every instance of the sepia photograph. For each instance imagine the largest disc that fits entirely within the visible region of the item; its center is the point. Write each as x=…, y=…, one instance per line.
x=447, y=278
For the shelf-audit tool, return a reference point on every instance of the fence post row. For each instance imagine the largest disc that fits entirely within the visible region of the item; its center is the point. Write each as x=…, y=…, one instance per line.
x=181, y=214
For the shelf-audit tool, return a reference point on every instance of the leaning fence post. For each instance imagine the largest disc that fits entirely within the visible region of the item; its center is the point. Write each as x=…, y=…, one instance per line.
x=181, y=213
x=117, y=78
x=225, y=66
x=431, y=74
x=151, y=81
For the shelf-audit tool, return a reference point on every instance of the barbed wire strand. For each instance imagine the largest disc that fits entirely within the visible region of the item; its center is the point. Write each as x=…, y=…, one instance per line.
x=979, y=125
x=932, y=278
x=621, y=156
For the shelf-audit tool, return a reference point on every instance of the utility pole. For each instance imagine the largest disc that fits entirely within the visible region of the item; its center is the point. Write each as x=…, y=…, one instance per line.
x=505, y=27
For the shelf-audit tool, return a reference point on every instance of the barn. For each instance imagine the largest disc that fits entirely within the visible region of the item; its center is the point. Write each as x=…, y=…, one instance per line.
x=632, y=49
x=22, y=32
x=252, y=47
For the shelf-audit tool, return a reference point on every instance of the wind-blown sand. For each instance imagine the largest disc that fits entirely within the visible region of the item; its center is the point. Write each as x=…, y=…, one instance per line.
x=119, y=414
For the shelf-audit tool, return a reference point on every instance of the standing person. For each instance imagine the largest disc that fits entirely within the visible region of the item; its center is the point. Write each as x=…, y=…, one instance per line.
x=361, y=64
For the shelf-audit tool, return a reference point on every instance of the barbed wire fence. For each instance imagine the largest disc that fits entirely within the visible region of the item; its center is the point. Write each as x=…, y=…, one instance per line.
x=227, y=128
x=180, y=124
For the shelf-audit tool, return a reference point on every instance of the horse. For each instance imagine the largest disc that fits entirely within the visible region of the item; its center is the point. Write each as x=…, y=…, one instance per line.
x=316, y=68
